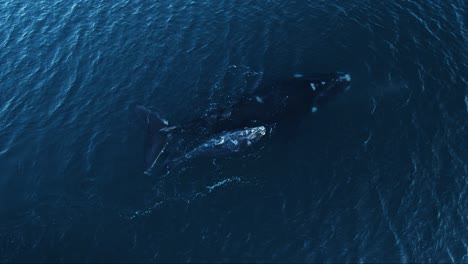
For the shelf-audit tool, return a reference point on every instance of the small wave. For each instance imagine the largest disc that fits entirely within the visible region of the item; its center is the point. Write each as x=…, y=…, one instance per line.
x=145, y=212
x=221, y=183
x=466, y=102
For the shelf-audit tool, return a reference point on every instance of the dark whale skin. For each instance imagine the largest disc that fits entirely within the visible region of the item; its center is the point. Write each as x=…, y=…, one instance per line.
x=284, y=101
x=280, y=103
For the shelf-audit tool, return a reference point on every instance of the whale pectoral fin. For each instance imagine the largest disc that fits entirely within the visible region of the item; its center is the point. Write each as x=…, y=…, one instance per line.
x=154, y=149
x=157, y=131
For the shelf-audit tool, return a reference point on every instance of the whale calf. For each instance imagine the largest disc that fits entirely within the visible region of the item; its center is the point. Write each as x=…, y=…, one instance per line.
x=234, y=127
x=225, y=143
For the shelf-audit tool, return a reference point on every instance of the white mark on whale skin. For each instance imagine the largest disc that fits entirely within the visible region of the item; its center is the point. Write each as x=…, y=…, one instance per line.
x=314, y=109
x=298, y=75
x=167, y=129
x=312, y=85
x=217, y=142
x=259, y=99
x=346, y=77
x=148, y=171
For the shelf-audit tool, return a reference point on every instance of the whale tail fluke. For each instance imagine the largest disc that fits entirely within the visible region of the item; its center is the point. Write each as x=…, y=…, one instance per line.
x=157, y=130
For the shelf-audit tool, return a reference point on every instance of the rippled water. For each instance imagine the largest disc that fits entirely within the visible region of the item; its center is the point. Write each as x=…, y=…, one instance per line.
x=379, y=175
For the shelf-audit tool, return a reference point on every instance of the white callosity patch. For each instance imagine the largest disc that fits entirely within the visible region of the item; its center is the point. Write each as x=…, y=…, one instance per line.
x=312, y=85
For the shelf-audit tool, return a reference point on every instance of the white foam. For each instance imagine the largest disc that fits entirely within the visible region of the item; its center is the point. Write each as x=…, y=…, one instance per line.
x=314, y=109
x=312, y=85
x=323, y=83
x=221, y=183
x=259, y=99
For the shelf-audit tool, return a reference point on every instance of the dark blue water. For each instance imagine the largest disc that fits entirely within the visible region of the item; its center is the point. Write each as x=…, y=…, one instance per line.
x=380, y=175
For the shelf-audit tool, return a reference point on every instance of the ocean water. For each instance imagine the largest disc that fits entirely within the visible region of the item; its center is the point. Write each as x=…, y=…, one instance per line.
x=379, y=175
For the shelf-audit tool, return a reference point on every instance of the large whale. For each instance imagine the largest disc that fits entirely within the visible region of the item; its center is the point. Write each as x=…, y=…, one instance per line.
x=232, y=128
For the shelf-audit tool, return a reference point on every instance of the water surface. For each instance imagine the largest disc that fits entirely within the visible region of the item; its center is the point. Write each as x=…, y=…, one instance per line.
x=379, y=175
